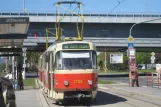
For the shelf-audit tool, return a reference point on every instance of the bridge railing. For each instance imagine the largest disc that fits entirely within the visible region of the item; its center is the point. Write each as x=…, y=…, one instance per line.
x=138, y=42
x=94, y=14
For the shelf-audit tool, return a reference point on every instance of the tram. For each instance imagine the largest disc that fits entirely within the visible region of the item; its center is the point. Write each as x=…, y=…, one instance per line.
x=69, y=70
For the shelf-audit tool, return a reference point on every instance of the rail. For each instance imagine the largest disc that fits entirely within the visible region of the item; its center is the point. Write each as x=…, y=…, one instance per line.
x=95, y=15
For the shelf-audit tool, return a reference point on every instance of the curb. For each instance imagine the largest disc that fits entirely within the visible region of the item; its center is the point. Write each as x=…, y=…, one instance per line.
x=141, y=94
x=42, y=99
x=36, y=82
x=40, y=94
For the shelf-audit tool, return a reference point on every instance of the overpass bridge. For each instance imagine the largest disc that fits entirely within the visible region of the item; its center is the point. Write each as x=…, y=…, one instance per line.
x=102, y=44
x=88, y=18
x=107, y=31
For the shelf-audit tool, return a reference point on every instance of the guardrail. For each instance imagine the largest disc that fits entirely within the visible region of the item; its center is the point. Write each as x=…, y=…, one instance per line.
x=99, y=15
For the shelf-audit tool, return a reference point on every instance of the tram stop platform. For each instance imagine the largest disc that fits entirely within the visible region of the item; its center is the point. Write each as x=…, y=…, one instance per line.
x=153, y=92
x=30, y=97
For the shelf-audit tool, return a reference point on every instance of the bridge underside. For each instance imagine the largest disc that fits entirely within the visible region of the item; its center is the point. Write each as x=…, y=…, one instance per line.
x=41, y=48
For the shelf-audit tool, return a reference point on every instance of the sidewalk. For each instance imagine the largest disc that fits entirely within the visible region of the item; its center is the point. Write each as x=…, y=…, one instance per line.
x=30, y=97
x=144, y=91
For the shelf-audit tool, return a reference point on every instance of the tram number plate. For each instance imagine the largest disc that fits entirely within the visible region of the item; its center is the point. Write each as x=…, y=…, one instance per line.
x=78, y=81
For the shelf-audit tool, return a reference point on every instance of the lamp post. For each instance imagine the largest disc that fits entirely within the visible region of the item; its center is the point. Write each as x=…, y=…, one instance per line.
x=140, y=23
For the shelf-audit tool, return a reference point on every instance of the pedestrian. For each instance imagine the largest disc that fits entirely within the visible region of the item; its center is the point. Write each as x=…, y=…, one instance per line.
x=2, y=103
x=101, y=65
x=134, y=76
x=20, y=81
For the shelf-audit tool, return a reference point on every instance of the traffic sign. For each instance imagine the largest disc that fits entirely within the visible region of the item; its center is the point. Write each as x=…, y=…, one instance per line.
x=153, y=54
x=130, y=45
x=152, y=58
x=130, y=38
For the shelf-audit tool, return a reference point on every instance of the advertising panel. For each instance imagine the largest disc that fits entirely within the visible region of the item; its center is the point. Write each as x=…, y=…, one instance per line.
x=116, y=58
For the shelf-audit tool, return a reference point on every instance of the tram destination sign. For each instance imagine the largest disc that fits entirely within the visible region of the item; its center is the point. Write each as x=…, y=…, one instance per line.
x=14, y=20
x=76, y=46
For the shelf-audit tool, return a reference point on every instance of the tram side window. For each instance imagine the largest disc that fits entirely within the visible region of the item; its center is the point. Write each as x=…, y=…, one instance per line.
x=58, y=61
x=51, y=62
x=94, y=58
x=39, y=67
x=44, y=63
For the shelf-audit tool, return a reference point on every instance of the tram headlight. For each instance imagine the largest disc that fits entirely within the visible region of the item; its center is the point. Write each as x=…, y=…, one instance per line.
x=66, y=83
x=90, y=82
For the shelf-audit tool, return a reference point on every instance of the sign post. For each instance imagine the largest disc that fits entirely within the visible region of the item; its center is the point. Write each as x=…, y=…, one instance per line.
x=152, y=57
x=131, y=59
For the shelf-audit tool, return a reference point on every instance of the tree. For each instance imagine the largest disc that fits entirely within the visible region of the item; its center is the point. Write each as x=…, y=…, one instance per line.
x=2, y=67
x=157, y=57
x=32, y=59
x=142, y=57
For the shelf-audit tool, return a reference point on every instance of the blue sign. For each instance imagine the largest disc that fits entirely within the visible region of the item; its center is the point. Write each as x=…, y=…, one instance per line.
x=130, y=45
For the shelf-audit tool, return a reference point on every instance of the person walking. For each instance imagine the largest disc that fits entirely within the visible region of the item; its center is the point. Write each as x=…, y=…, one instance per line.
x=101, y=65
x=135, y=78
x=20, y=81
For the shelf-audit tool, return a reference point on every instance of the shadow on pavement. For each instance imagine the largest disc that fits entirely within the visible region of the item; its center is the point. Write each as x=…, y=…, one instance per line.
x=106, y=98
x=102, y=99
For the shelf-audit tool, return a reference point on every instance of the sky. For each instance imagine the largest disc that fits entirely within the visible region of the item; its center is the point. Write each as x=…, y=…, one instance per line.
x=90, y=6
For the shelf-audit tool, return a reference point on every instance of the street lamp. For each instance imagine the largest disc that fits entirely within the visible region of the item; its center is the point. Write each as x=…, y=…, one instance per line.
x=142, y=22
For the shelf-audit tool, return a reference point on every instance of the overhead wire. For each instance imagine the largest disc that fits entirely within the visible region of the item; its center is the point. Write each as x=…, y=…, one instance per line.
x=119, y=2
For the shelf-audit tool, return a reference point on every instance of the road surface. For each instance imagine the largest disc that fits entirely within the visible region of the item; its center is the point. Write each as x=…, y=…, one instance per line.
x=114, y=98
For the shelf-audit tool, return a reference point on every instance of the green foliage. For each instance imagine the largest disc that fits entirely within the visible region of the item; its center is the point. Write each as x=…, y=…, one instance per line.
x=29, y=82
x=32, y=59
x=158, y=57
x=2, y=67
x=143, y=57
